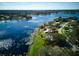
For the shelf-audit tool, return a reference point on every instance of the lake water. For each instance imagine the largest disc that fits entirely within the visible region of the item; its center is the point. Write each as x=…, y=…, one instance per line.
x=14, y=34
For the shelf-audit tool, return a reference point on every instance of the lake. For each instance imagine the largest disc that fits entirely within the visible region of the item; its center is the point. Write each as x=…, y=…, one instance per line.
x=14, y=34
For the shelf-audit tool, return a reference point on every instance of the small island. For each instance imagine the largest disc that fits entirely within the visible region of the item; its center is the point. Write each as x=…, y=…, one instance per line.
x=15, y=17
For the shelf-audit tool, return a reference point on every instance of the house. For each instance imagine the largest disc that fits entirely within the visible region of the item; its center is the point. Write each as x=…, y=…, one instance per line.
x=50, y=29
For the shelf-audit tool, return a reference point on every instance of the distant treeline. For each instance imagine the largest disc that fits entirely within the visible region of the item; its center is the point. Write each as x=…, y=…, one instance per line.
x=37, y=11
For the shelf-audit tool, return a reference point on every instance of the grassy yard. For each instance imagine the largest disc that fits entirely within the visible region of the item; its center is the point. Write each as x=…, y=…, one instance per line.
x=38, y=44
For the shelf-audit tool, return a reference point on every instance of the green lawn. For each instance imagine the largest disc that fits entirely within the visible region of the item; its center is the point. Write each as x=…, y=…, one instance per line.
x=38, y=44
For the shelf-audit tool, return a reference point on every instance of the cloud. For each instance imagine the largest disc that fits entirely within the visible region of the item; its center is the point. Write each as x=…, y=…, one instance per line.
x=39, y=5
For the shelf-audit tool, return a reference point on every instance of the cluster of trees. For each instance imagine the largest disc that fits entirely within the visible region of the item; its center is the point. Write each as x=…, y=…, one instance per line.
x=15, y=16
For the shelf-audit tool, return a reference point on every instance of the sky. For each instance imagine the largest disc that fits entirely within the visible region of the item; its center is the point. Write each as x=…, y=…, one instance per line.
x=38, y=5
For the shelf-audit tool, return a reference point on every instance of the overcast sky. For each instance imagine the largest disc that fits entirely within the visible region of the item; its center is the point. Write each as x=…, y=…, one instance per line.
x=38, y=5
